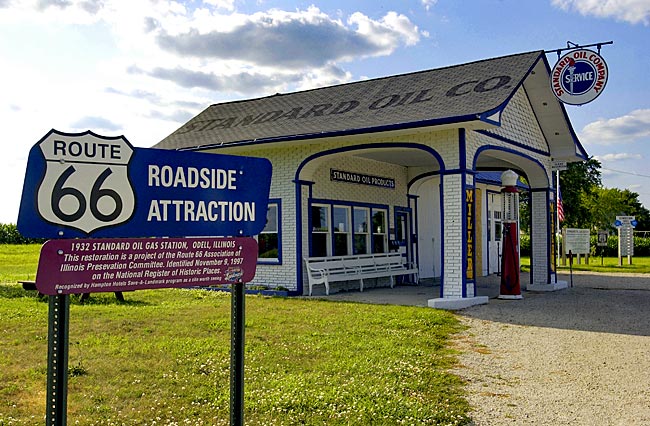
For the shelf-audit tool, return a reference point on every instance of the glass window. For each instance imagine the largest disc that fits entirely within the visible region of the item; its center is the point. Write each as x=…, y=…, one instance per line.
x=268, y=241
x=320, y=239
x=360, y=227
x=379, y=231
x=401, y=233
x=497, y=231
x=342, y=240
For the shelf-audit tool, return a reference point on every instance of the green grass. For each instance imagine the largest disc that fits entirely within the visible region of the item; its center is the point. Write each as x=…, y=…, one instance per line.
x=163, y=356
x=18, y=262
x=640, y=265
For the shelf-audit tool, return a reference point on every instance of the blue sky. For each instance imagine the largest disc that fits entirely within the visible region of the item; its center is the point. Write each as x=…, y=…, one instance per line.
x=142, y=68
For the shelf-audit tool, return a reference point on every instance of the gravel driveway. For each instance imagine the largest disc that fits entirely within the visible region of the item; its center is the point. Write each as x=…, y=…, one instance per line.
x=579, y=356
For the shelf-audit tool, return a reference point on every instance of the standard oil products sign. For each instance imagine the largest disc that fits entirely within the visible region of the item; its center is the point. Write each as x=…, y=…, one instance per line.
x=361, y=179
x=83, y=184
x=579, y=77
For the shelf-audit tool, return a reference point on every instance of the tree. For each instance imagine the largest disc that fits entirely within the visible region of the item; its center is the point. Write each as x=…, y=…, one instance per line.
x=579, y=181
x=604, y=204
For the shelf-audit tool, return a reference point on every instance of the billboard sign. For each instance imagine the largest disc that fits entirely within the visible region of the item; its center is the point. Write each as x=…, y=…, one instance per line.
x=80, y=185
x=73, y=266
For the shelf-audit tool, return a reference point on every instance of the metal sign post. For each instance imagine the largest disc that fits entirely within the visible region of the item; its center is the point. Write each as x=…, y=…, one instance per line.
x=57, y=360
x=237, y=325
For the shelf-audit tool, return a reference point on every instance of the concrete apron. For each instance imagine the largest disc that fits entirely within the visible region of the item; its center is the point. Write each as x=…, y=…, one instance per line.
x=419, y=295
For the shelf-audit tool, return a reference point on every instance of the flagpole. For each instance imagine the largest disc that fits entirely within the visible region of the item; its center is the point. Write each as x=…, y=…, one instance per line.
x=557, y=220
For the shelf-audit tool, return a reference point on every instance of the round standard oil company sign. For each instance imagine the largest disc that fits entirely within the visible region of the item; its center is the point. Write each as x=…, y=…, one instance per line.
x=579, y=77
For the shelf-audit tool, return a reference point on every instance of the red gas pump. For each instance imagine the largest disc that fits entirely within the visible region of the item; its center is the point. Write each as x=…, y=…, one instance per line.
x=510, y=284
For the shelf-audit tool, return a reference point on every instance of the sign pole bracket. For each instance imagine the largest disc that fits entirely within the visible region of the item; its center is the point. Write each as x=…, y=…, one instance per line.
x=573, y=46
x=57, y=360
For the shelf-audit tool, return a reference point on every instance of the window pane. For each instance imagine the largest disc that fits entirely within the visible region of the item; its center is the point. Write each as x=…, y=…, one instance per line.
x=341, y=244
x=319, y=244
x=341, y=219
x=379, y=222
x=378, y=245
x=320, y=218
x=268, y=246
x=361, y=244
x=401, y=228
x=271, y=219
x=360, y=220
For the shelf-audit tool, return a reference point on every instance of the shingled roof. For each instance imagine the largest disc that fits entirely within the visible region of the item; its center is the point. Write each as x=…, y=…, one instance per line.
x=463, y=93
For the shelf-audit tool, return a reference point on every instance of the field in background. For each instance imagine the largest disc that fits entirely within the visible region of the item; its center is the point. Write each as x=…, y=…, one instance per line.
x=19, y=262
x=640, y=265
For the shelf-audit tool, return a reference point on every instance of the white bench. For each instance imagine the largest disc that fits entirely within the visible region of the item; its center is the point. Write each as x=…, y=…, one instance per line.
x=324, y=270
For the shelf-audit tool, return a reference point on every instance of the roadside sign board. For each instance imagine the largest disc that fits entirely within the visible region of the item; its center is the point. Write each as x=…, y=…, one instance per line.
x=625, y=221
x=602, y=238
x=559, y=165
x=72, y=266
x=576, y=240
x=81, y=185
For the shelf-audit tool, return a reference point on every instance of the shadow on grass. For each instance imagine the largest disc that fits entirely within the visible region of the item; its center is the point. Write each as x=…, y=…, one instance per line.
x=98, y=299
x=14, y=291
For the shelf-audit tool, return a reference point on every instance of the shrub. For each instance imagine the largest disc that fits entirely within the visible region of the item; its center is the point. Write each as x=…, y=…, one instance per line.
x=9, y=235
x=641, y=246
x=524, y=244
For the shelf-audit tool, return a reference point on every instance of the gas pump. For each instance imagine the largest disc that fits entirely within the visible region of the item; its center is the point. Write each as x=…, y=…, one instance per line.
x=510, y=283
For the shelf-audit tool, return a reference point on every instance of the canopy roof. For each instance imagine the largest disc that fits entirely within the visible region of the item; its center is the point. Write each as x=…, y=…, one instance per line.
x=471, y=95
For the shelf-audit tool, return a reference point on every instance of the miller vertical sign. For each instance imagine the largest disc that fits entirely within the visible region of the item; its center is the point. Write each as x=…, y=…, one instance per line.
x=579, y=77
x=469, y=214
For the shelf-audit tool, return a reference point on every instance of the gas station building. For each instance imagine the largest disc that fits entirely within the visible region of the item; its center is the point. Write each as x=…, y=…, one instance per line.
x=407, y=163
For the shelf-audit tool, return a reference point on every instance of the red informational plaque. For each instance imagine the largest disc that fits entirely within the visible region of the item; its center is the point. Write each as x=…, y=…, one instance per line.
x=75, y=266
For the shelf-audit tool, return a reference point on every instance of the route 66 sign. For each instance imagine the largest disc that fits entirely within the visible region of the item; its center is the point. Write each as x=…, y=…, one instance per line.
x=86, y=184
x=81, y=185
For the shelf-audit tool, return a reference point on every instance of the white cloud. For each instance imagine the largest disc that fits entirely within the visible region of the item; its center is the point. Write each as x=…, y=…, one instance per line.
x=619, y=156
x=624, y=129
x=304, y=38
x=388, y=32
x=632, y=11
x=428, y=3
x=223, y=4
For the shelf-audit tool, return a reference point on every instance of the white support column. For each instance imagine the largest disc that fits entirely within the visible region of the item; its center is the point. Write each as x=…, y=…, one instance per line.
x=454, y=241
x=541, y=234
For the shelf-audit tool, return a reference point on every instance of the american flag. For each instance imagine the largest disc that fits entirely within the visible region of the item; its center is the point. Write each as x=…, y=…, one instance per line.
x=560, y=207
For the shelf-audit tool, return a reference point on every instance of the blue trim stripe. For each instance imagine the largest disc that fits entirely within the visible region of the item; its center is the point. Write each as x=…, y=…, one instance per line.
x=512, y=142
x=299, y=184
x=442, y=236
x=415, y=219
x=264, y=261
x=511, y=151
x=338, y=133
